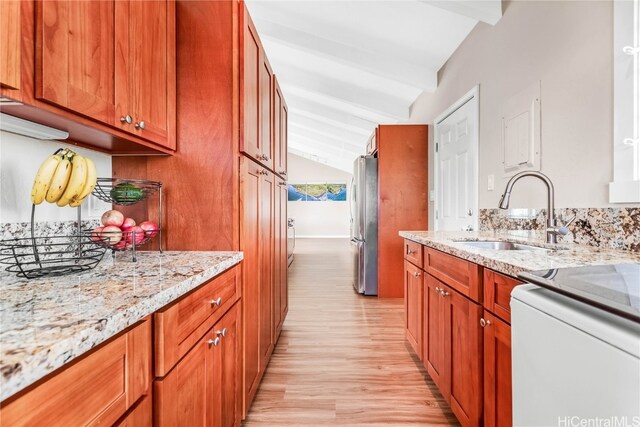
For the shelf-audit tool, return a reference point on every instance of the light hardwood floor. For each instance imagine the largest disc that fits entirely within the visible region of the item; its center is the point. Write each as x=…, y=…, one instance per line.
x=342, y=358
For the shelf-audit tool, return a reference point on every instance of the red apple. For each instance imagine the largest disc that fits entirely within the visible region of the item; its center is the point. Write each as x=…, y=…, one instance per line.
x=112, y=217
x=111, y=234
x=135, y=233
x=96, y=234
x=150, y=228
x=127, y=223
x=120, y=245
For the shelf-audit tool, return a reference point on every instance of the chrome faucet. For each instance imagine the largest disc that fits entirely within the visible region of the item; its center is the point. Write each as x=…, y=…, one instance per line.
x=552, y=229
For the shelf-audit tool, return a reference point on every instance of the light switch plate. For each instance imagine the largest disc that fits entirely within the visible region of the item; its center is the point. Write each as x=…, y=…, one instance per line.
x=491, y=182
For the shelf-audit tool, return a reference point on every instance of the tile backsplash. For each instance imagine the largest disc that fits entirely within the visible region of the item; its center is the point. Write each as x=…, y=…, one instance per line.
x=615, y=228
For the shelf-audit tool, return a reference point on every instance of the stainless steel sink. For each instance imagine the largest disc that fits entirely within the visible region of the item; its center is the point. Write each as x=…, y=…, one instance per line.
x=502, y=246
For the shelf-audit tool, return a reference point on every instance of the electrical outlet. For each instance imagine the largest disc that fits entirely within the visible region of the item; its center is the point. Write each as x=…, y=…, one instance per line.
x=491, y=182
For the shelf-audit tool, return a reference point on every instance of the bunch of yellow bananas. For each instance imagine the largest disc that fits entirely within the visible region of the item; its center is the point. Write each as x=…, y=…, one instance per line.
x=64, y=178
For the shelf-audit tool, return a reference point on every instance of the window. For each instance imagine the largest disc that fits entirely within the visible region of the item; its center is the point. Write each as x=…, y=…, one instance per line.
x=625, y=187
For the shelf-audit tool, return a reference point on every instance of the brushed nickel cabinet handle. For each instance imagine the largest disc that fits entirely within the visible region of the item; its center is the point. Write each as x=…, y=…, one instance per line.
x=126, y=119
x=484, y=323
x=140, y=125
x=222, y=332
x=416, y=274
x=214, y=342
x=217, y=301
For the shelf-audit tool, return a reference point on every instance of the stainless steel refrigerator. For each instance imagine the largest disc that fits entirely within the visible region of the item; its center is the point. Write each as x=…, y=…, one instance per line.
x=364, y=224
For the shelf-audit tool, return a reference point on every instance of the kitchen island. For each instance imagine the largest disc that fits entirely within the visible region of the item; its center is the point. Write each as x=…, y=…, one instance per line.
x=47, y=323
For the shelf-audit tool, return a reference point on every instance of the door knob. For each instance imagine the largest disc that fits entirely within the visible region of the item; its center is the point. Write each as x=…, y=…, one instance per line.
x=470, y=212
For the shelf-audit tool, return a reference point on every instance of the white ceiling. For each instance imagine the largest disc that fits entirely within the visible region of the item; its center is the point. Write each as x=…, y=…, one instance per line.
x=345, y=66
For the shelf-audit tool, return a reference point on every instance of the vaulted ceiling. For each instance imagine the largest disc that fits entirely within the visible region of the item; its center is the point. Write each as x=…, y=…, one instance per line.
x=345, y=66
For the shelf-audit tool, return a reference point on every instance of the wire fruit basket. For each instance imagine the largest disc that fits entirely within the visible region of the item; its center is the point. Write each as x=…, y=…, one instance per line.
x=37, y=257
x=34, y=257
x=124, y=192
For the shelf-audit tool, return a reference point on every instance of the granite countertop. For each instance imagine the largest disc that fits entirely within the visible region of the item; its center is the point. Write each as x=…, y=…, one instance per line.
x=513, y=262
x=45, y=323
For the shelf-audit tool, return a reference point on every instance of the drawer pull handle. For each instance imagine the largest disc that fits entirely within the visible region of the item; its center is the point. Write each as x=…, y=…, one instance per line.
x=222, y=333
x=214, y=342
x=416, y=274
x=140, y=125
x=217, y=301
x=410, y=252
x=126, y=119
x=484, y=323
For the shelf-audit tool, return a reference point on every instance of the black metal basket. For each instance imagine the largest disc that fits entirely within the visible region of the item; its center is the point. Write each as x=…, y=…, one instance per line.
x=125, y=239
x=35, y=257
x=124, y=192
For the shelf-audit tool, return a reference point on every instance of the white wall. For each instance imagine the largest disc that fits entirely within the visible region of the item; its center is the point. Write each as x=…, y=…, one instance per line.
x=317, y=219
x=567, y=45
x=20, y=158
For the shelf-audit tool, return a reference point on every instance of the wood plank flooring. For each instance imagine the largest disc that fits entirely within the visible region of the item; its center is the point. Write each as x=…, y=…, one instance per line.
x=342, y=358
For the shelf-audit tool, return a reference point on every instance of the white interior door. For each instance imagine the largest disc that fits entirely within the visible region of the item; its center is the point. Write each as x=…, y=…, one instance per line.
x=456, y=162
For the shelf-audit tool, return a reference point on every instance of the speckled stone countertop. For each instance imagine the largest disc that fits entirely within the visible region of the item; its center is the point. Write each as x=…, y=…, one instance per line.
x=514, y=262
x=45, y=323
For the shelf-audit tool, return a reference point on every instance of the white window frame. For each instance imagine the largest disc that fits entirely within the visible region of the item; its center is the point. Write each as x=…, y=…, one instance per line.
x=625, y=187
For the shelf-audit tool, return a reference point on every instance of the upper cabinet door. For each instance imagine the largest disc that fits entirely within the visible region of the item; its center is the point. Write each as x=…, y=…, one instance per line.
x=265, y=140
x=10, y=34
x=145, y=69
x=250, y=89
x=75, y=56
x=279, y=130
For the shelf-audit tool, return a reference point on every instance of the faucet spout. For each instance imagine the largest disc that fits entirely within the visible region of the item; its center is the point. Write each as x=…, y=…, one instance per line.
x=551, y=221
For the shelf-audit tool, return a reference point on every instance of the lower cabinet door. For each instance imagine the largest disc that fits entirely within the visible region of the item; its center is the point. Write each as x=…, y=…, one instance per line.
x=434, y=325
x=463, y=349
x=413, y=306
x=228, y=373
x=497, y=372
x=141, y=415
x=185, y=396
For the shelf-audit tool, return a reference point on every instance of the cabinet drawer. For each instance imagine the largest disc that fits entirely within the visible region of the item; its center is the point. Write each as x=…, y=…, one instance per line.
x=96, y=390
x=179, y=326
x=413, y=252
x=463, y=276
x=497, y=293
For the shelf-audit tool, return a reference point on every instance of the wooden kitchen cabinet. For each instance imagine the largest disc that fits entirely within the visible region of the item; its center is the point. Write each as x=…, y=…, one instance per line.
x=280, y=290
x=280, y=131
x=203, y=388
x=97, y=389
x=140, y=415
x=145, y=70
x=10, y=47
x=112, y=61
x=497, y=372
x=75, y=56
x=250, y=186
x=180, y=325
x=228, y=370
x=454, y=349
x=435, y=331
x=267, y=226
x=185, y=396
x=256, y=94
x=413, y=306
x=399, y=147
x=497, y=293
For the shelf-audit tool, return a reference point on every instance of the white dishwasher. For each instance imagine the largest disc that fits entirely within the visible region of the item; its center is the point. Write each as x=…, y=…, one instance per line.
x=576, y=347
